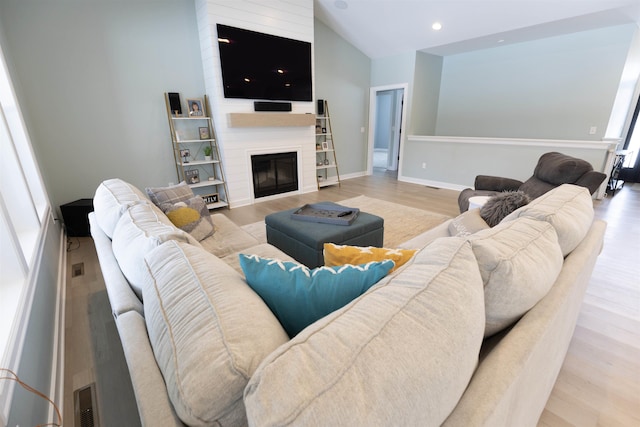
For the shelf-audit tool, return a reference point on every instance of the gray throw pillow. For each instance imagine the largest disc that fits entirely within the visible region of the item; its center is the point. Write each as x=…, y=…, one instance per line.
x=501, y=205
x=172, y=194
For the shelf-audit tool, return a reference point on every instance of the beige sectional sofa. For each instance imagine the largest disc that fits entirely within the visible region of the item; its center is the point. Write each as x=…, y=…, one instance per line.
x=471, y=332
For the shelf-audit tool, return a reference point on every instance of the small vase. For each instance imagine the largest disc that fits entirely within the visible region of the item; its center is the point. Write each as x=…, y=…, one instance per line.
x=207, y=158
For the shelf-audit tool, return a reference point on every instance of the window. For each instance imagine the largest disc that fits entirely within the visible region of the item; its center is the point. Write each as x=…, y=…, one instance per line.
x=24, y=209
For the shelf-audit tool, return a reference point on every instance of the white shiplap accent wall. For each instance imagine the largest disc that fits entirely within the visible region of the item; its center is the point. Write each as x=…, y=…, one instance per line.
x=285, y=18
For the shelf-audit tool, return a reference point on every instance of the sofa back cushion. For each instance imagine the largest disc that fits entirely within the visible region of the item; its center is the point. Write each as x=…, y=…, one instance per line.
x=209, y=332
x=112, y=198
x=401, y=354
x=140, y=229
x=568, y=208
x=519, y=262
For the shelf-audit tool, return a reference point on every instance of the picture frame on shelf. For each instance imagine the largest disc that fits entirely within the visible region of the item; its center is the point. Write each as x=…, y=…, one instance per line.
x=185, y=154
x=325, y=145
x=204, y=132
x=192, y=176
x=324, y=130
x=210, y=198
x=318, y=146
x=195, y=107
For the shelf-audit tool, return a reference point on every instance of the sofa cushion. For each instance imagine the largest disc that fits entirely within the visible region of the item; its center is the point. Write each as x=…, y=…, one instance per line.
x=467, y=223
x=172, y=194
x=139, y=230
x=401, y=354
x=299, y=296
x=335, y=255
x=209, y=332
x=112, y=198
x=519, y=262
x=228, y=238
x=569, y=208
x=191, y=216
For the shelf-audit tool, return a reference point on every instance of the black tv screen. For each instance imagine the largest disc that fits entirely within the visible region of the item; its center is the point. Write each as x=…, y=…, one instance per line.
x=263, y=66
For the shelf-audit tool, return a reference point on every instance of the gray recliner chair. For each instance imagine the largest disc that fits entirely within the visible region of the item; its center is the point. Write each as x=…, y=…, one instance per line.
x=552, y=170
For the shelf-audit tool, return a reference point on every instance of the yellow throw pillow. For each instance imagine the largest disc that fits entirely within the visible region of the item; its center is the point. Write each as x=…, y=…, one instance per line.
x=342, y=254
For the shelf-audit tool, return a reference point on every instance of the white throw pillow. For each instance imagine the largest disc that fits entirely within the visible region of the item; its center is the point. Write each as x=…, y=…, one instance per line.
x=569, y=208
x=519, y=262
x=401, y=354
x=112, y=198
x=209, y=332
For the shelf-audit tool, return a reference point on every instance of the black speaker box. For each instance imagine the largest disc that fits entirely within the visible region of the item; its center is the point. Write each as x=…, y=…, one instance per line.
x=321, y=107
x=76, y=217
x=271, y=106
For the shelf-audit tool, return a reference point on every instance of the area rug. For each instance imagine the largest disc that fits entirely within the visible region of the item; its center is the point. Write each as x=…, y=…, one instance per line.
x=401, y=223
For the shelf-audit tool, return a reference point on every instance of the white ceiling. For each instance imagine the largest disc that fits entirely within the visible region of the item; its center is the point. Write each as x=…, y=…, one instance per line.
x=381, y=28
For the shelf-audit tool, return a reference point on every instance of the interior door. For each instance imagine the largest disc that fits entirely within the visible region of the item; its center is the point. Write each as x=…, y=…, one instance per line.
x=388, y=127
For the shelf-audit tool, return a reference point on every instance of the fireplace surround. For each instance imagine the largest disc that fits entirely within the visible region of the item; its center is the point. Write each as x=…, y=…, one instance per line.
x=274, y=173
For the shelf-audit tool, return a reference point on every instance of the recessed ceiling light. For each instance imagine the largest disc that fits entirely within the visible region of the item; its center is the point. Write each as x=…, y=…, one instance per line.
x=340, y=4
x=436, y=26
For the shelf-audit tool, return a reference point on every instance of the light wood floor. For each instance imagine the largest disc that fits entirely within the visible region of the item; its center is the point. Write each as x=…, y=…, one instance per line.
x=599, y=384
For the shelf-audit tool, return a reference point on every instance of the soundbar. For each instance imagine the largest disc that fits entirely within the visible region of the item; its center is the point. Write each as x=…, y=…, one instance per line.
x=271, y=106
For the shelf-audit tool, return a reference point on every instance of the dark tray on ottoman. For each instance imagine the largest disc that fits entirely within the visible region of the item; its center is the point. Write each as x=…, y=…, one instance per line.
x=328, y=213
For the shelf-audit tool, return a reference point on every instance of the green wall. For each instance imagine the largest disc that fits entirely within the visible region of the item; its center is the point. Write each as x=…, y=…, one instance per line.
x=342, y=75
x=553, y=88
x=426, y=94
x=90, y=76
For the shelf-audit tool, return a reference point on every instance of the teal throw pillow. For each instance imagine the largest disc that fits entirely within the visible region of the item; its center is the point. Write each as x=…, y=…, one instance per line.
x=298, y=296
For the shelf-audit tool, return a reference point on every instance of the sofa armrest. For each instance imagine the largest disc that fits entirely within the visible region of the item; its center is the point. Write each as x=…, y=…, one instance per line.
x=154, y=405
x=121, y=295
x=496, y=183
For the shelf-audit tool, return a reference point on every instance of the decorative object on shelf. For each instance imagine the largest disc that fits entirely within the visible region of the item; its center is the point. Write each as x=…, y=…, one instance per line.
x=194, y=133
x=326, y=162
x=185, y=154
x=192, y=176
x=195, y=107
x=210, y=198
x=204, y=132
x=175, y=104
x=207, y=152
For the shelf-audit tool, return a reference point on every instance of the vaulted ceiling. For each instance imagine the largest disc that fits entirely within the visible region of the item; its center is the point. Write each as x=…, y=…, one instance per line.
x=381, y=28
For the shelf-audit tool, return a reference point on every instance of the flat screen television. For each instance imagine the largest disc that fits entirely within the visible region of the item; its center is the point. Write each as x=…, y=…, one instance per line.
x=263, y=66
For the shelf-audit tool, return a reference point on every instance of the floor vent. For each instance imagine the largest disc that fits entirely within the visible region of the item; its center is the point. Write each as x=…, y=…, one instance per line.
x=77, y=269
x=86, y=414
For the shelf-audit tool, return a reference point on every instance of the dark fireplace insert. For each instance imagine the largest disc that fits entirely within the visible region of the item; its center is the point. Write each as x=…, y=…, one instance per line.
x=274, y=173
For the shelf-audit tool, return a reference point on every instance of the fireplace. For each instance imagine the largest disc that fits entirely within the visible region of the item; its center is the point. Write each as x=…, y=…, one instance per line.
x=274, y=173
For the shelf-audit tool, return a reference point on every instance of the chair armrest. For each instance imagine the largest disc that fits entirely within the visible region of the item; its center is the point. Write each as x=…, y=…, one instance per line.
x=496, y=183
x=591, y=180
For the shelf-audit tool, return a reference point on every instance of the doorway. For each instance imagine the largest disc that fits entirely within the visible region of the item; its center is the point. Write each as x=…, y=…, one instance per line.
x=630, y=171
x=386, y=125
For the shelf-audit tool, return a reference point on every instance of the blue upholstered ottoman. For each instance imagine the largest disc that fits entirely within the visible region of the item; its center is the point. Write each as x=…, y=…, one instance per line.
x=304, y=240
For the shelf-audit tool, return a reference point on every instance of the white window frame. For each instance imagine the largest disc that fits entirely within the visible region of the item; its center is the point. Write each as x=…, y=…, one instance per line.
x=25, y=214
